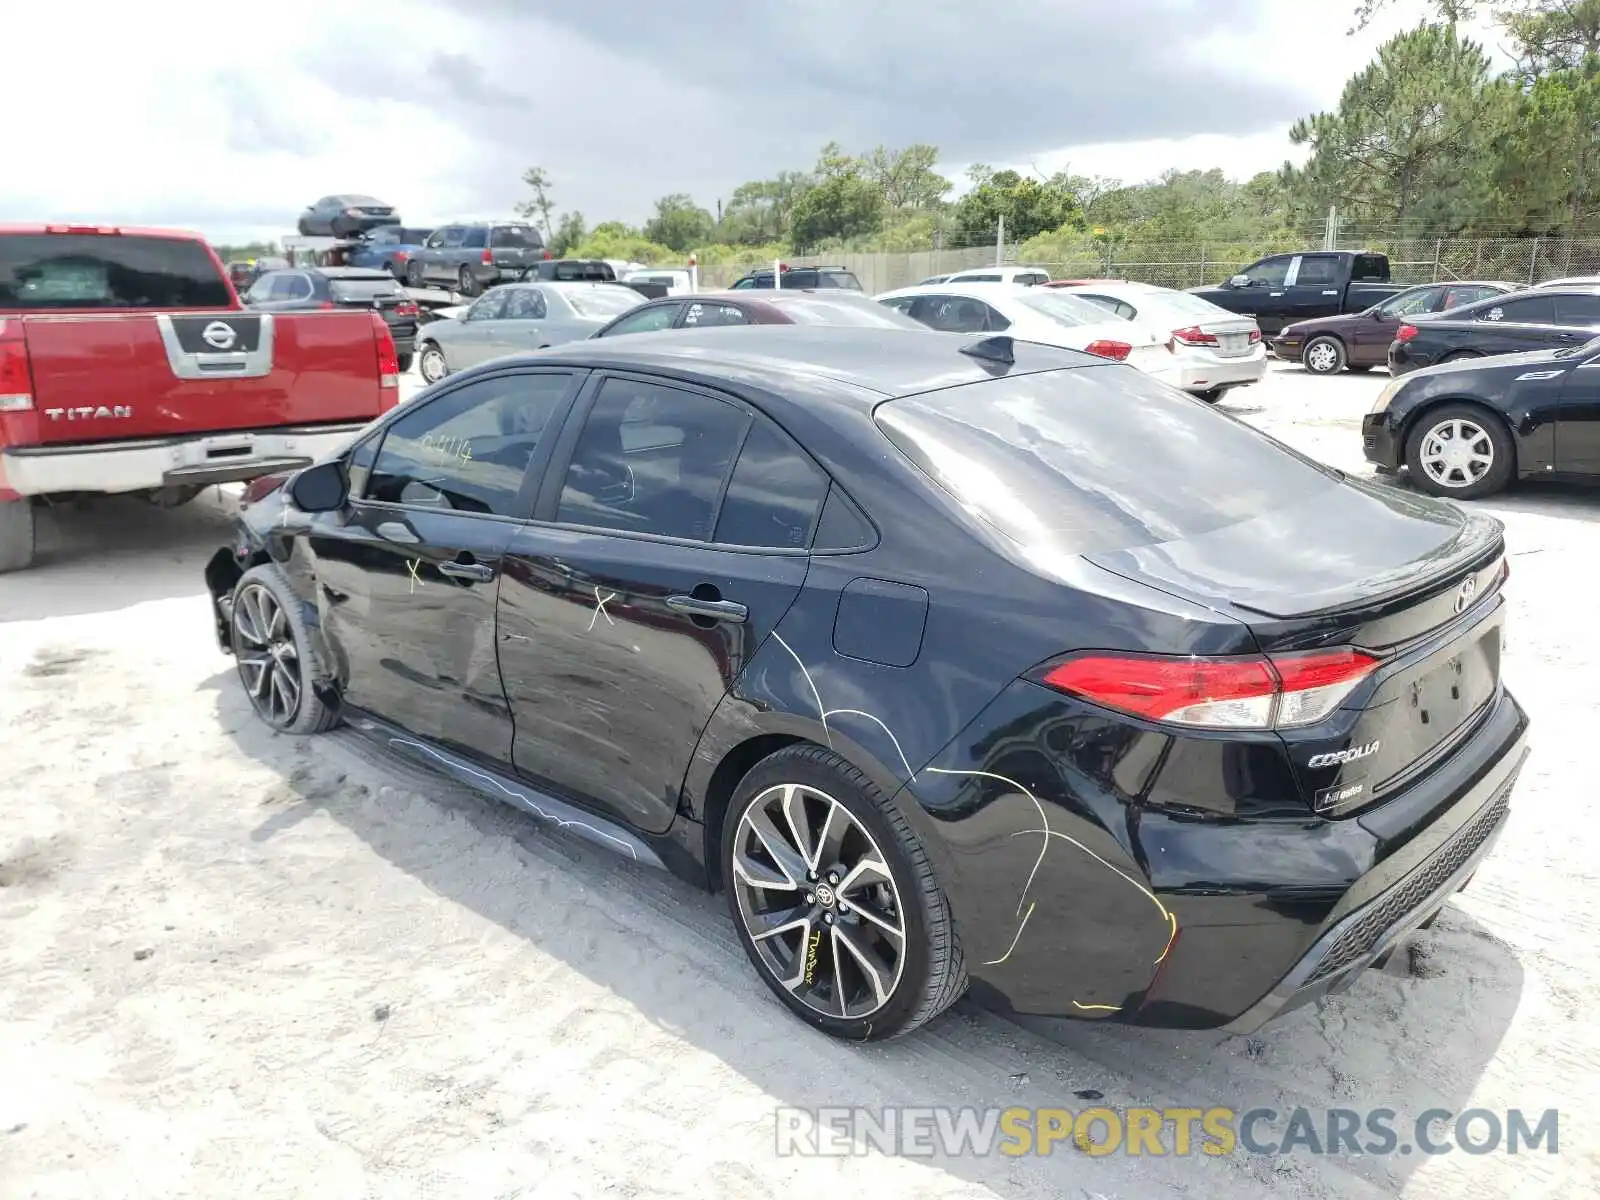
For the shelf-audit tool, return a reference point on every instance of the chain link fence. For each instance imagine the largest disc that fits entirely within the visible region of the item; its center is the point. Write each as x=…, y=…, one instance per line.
x=1524, y=261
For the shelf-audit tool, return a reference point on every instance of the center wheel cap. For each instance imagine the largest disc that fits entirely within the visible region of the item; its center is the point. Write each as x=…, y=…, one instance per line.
x=825, y=895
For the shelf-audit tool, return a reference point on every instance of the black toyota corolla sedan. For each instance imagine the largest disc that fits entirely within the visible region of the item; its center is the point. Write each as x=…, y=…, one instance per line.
x=1467, y=429
x=949, y=661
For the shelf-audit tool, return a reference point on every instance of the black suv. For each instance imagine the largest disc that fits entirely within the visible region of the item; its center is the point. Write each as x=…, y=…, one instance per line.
x=804, y=277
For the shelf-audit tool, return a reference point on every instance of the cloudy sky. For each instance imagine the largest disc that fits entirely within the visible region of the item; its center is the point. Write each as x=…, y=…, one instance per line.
x=230, y=118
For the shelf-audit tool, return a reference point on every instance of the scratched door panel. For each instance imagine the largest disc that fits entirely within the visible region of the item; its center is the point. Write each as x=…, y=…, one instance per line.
x=610, y=685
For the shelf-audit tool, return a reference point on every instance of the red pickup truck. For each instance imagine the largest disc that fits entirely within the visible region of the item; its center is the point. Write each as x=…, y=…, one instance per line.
x=127, y=364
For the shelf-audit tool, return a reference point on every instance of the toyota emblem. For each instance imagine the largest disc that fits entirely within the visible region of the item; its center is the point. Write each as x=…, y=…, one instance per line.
x=1465, y=594
x=219, y=335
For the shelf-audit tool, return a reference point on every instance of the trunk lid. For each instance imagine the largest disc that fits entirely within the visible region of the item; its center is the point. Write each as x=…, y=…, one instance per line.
x=1414, y=583
x=114, y=376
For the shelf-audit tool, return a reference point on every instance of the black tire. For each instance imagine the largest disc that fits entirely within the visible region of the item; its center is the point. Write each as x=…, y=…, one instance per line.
x=403, y=361
x=1489, y=430
x=414, y=275
x=1358, y=368
x=930, y=972
x=398, y=271
x=467, y=281
x=1324, y=355
x=17, y=520
x=1210, y=395
x=430, y=354
x=257, y=637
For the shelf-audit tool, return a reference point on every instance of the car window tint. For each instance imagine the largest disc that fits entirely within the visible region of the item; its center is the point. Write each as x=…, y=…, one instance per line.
x=841, y=279
x=774, y=495
x=1318, y=270
x=452, y=236
x=899, y=303
x=646, y=320
x=488, y=308
x=1369, y=268
x=468, y=449
x=700, y=314
x=516, y=237
x=1466, y=295
x=956, y=314
x=1272, y=272
x=475, y=238
x=652, y=459
x=1027, y=455
x=975, y=279
x=841, y=526
x=1408, y=304
x=43, y=271
x=1578, y=310
x=1537, y=310
x=524, y=304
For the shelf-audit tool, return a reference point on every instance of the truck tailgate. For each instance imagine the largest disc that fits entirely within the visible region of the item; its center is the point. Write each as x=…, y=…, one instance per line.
x=99, y=377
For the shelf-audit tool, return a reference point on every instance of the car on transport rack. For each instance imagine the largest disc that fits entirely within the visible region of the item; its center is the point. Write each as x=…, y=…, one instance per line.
x=128, y=365
x=950, y=660
x=469, y=256
x=1469, y=428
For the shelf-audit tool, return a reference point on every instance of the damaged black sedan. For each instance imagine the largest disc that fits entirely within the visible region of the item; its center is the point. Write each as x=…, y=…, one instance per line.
x=950, y=662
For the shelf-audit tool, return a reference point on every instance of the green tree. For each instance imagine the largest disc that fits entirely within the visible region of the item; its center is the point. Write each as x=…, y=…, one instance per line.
x=906, y=177
x=1030, y=206
x=844, y=202
x=759, y=211
x=613, y=239
x=539, y=206
x=1412, y=139
x=570, y=232
x=679, y=223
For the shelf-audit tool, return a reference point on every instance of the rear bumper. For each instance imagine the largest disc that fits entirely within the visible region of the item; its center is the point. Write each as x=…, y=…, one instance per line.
x=154, y=463
x=1201, y=370
x=1403, y=359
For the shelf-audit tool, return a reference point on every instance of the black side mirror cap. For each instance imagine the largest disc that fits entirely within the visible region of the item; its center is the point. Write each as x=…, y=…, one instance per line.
x=322, y=488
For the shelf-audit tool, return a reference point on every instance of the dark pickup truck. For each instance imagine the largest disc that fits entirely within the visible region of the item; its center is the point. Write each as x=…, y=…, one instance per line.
x=1283, y=288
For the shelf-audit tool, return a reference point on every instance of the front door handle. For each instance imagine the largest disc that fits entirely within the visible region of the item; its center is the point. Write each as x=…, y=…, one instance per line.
x=717, y=610
x=475, y=572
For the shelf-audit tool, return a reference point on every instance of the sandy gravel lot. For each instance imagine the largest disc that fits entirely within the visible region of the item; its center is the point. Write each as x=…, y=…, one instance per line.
x=238, y=964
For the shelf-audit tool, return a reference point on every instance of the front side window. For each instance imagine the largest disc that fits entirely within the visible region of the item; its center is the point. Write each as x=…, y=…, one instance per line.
x=1270, y=273
x=652, y=459
x=646, y=320
x=489, y=307
x=468, y=450
x=1409, y=304
x=524, y=304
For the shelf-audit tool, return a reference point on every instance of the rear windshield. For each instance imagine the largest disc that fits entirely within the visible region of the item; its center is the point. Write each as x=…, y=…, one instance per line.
x=1068, y=310
x=345, y=290
x=816, y=310
x=841, y=279
x=516, y=237
x=413, y=237
x=1095, y=458
x=1187, y=305
x=70, y=270
x=603, y=301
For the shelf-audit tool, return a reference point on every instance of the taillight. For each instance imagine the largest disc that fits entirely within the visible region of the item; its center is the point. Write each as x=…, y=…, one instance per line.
x=388, y=365
x=16, y=377
x=1193, y=335
x=487, y=258
x=407, y=308
x=1405, y=333
x=1106, y=348
x=547, y=256
x=1278, y=692
x=1255, y=336
x=401, y=255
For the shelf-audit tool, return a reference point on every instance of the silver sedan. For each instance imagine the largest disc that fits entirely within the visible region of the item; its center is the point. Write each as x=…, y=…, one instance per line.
x=517, y=317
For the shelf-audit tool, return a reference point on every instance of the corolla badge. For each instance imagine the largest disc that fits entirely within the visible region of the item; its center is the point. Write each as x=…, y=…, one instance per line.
x=1337, y=758
x=219, y=335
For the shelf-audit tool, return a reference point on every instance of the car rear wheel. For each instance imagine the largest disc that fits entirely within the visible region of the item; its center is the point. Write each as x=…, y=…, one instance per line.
x=16, y=534
x=414, y=275
x=1323, y=356
x=432, y=365
x=1461, y=451
x=274, y=653
x=403, y=361
x=834, y=899
x=467, y=281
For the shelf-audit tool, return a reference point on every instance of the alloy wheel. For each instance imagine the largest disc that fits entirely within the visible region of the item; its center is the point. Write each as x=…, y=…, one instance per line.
x=269, y=661
x=819, y=901
x=1457, y=453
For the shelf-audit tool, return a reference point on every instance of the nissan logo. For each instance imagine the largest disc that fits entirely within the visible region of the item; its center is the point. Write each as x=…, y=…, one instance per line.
x=1465, y=594
x=219, y=335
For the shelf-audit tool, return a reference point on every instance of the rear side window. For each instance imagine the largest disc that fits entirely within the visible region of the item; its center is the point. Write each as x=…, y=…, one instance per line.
x=1578, y=310
x=1095, y=459
x=1318, y=270
x=841, y=279
x=467, y=451
x=774, y=495
x=975, y=279
x=700, y=315
x=45, y=271
x=1369, y=268
x=475, y=239
x=1533, y=310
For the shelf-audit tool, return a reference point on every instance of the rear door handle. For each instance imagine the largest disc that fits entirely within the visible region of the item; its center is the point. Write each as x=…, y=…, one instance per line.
x=477, y=572
x=719, y=610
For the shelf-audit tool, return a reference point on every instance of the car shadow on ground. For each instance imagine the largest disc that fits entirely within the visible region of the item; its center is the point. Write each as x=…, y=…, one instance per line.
x=108, y=552
x=1535, y=497
x=1412, y=1040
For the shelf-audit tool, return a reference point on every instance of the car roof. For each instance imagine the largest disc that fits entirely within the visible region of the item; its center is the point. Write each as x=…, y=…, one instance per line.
x=788, y=360
x=980, y=288
x=351, y=273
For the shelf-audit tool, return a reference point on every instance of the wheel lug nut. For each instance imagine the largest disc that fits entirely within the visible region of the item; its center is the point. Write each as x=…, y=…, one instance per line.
x=811, y=898
x=827, y=919
x=832, y=878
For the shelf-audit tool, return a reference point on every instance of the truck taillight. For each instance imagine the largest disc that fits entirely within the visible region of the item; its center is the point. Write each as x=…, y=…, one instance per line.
x=16, y=377
x=388, y=364
x=488, y=257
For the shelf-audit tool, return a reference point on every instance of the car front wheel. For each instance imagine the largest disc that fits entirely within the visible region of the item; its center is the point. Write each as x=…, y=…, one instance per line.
x=274, y=653
x=1461, y=451
x=432, y=364
x=834, y=899
x=1323, y=356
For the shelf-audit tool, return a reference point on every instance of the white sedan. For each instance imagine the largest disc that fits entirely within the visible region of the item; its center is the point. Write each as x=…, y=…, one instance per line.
x=1036, y=314
x=1214, y=348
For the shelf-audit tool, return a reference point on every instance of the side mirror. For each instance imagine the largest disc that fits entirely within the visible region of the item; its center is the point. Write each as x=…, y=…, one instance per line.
x=1239, y=281
x=322, y=488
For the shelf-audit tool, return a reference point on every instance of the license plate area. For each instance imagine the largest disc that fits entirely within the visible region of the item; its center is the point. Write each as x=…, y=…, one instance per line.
x=1231, y=345
x=1434, y=702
